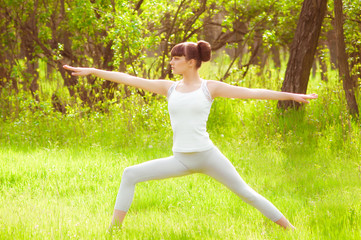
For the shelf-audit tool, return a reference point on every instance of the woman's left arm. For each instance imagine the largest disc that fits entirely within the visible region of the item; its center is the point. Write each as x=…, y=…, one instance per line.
x=221, y=89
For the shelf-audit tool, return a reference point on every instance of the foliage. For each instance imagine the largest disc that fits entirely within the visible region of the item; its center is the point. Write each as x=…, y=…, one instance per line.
x=38, y=37
x=60, y=172
x=352, y=31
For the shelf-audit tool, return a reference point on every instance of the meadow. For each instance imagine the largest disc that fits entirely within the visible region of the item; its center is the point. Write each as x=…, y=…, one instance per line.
x=60, y=174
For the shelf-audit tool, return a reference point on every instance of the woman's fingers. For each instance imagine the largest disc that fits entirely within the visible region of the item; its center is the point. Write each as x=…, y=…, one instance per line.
x=67, y=67
x=310, y=96
x=77, y=71
x=303, y=97
x=73, y=69
x=313, y=96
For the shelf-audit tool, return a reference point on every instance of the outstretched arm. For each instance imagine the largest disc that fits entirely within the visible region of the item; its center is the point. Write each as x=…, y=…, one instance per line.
x=155, y=86
x=220, y=89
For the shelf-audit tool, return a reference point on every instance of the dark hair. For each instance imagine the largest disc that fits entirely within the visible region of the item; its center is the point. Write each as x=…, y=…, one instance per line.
x=200, y=51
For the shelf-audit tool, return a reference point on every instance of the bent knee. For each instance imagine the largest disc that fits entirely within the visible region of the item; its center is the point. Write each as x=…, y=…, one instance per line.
x=130, y=175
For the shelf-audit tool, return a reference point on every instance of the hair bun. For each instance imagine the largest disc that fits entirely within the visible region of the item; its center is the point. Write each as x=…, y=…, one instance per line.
x=204, y=50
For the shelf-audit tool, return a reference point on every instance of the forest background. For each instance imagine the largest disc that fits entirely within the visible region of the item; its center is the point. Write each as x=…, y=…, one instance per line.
x=65, y=140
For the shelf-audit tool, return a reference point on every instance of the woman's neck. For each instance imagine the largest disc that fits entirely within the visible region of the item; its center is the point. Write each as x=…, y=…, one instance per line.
x=191, y=77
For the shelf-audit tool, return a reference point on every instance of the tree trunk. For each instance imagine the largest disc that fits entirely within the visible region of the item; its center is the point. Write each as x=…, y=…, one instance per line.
x=275, y=51
x=28, y=49
x=331, y=44
x=303, y=49
x=70, y=81
x=321, y=60
x=343, y=67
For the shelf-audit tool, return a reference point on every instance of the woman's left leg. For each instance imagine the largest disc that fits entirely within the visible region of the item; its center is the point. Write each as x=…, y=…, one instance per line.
x=220, y=168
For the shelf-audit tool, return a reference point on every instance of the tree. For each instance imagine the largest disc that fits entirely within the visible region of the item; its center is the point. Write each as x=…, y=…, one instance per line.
x=137, y=36
x=343, y=66
x=303, y=49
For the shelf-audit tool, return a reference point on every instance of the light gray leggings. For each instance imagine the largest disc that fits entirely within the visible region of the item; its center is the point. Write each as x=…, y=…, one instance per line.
x=211, y=162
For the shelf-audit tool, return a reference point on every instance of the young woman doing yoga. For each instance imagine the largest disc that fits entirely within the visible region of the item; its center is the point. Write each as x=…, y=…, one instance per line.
x=189, y=103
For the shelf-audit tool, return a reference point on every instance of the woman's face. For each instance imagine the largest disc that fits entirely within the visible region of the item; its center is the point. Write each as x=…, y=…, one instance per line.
x=179, y=65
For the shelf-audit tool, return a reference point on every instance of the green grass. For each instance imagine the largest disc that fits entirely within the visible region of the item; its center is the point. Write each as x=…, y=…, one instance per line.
x=60, y=174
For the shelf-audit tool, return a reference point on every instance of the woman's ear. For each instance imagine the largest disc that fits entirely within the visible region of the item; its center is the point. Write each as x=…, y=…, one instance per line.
x=192, y=63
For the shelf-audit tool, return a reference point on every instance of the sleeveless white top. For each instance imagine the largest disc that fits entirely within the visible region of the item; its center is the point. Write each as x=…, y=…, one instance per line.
x=188, y=115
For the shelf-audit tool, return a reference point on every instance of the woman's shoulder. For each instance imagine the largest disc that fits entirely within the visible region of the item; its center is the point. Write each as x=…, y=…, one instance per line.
x=171, y=88
x=210, y=82
x=218, y=88
x=212, y=85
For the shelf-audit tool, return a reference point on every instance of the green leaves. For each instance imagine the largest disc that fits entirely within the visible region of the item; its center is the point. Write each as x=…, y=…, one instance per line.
x=137, y=36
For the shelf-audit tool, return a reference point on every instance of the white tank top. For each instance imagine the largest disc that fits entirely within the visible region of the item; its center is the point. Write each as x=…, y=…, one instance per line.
x=188, y=115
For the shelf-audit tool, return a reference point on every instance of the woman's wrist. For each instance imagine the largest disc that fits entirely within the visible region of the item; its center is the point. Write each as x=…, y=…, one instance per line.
x=93, y=71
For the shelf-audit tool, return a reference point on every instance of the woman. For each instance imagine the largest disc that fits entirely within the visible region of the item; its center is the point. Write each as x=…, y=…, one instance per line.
x=189, y=103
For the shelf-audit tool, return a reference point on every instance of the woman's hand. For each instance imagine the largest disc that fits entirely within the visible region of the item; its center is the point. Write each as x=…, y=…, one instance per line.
x=79, y=71
x=303, y=97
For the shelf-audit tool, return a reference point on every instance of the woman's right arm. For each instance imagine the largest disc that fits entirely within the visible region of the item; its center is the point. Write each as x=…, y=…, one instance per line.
x=155, y=86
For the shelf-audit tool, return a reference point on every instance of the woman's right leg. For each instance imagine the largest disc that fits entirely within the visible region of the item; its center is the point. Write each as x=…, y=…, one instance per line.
x=151, y=170
x=117, y=219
